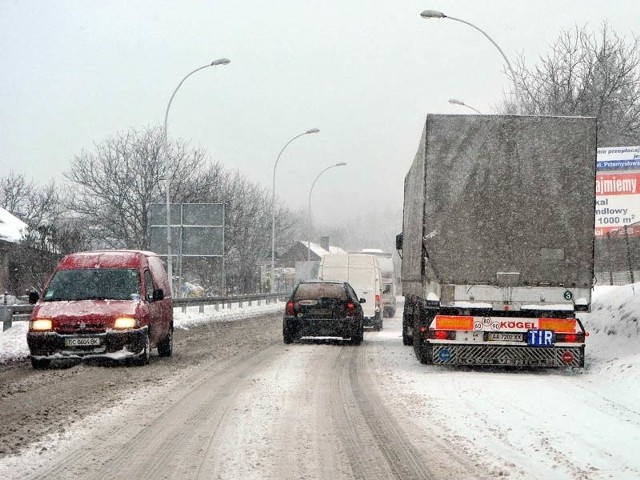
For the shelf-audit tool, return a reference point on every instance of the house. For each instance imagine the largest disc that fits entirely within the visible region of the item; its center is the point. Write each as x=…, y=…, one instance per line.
x=302, y=251
x=11, y=231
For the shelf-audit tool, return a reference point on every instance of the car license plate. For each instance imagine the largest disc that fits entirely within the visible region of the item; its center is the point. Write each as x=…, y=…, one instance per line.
x=541, y=338
x=504, y=337
x=82, y=342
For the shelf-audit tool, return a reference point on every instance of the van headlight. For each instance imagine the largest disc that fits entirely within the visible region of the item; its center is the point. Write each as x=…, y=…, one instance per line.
x=40, y=325
x=124, y=323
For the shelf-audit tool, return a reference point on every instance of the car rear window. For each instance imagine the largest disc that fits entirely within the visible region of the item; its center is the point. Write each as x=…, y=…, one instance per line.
x=313, y=291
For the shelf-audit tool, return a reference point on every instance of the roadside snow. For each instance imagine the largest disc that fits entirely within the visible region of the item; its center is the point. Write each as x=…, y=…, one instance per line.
x=538, y=424
x=13, y=342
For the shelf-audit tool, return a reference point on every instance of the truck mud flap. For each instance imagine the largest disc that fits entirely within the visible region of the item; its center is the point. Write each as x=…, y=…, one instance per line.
x=494, y=355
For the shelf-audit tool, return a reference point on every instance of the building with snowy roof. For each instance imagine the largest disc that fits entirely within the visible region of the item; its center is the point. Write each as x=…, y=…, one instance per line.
x=12, y=230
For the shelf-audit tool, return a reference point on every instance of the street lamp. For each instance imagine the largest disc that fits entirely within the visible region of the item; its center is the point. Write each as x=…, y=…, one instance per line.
x=273, y=206
x=455, y=101
x=341, y=164
x=220, y=61
x=437, y=14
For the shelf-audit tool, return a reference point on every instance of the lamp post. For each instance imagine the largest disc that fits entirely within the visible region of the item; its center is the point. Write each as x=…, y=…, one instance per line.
x=341, y=164
x=455, y=101
x=220, y=61
x=436, y=14
x=273, y=206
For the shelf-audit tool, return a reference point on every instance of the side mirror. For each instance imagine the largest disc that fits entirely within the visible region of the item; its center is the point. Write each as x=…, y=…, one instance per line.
x=33, y=297
x=399, y=241
x=363, y=300
x=158, y=294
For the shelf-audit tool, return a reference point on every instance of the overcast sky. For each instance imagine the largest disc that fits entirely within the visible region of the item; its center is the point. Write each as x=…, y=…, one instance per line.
x=365, y=73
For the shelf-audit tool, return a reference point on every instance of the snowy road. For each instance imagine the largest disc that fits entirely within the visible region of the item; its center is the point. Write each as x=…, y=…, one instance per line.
x=235, y=402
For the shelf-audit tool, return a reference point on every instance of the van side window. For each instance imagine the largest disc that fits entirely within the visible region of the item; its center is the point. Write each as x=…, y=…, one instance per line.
x=148, y=285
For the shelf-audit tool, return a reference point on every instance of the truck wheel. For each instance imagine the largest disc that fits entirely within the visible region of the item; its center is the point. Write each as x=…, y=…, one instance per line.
x=421, y=349
x=165, y=347
x=406, y=338
x=39, y=364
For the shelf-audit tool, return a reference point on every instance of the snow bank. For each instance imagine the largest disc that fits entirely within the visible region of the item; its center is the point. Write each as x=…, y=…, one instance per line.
x=13, y=342
x=613, y=345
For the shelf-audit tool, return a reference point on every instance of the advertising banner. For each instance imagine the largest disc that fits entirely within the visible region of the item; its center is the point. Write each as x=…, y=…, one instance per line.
x=617, y=190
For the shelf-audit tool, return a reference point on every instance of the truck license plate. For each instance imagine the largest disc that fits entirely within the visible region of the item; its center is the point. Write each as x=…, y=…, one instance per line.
x=541, y=338
x=82, y=342
x=504, y=337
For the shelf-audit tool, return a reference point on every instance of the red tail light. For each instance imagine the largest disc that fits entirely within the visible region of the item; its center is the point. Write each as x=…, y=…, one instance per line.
x=351, y=309
x=570, y=337
x=440, y=334
x=290, y=310
x=377, y=298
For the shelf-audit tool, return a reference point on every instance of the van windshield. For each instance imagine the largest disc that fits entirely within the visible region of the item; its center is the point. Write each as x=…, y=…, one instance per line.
x=93, y=284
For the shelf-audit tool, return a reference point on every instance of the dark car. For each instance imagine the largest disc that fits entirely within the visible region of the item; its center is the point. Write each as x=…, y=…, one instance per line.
x=323, y=309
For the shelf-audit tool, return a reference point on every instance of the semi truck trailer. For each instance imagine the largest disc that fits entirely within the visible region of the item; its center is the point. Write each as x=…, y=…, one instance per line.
x=498, y=240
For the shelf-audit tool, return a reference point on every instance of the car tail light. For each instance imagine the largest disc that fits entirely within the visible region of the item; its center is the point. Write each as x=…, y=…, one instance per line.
x=351, y=309
x=290, y=309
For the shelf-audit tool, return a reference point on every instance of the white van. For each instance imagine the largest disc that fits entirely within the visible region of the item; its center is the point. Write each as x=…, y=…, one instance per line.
x=387, y=267
x=363, y=274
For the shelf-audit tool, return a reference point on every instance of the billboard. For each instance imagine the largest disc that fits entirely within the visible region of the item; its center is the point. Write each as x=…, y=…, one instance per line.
x=197, y=229
x=617, y=189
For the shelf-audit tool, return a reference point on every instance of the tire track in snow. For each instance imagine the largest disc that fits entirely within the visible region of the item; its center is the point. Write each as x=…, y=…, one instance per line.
x=388, y=453
x=169, y=445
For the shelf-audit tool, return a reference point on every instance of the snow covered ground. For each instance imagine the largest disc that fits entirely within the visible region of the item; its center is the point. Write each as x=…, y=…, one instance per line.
x=13, y=342
x=556, y=424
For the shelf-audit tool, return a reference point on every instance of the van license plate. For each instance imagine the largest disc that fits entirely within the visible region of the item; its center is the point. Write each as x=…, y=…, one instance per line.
x=82, y=342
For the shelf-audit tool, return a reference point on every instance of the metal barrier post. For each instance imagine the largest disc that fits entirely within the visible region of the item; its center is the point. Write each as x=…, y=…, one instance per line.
x=6, y=314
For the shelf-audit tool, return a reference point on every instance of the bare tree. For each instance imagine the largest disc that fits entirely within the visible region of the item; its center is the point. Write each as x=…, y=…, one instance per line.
x=50, y=234
x=115, y=184
x=32, y=203
x=587, y=74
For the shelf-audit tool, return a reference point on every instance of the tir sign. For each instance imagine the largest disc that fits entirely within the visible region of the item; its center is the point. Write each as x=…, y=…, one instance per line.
x=541, y=338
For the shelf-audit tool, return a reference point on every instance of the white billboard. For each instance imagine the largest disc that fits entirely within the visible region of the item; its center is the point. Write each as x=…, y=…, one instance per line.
x=617, y=188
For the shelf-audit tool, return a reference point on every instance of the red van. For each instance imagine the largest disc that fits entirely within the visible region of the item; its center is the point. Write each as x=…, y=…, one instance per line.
x=113, y=304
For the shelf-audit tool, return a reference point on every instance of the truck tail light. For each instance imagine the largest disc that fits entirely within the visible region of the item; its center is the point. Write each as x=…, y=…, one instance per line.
x=570, y=337
x=442, y=334
x=290, y=308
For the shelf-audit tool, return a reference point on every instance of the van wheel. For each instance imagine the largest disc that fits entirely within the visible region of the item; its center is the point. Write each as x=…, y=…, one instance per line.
x=143, y=358
x=165, y=347
x=39, y=364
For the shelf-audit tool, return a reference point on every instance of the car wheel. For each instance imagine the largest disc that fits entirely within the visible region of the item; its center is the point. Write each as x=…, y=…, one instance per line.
x=357, y=338
x=165, y=347
x=143, y=358
x=39, y=364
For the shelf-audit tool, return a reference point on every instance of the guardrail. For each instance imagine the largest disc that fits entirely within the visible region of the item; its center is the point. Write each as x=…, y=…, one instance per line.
x=22, y=313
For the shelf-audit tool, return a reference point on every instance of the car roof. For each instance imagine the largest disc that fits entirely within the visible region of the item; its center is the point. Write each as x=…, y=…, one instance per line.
x=104, y=259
